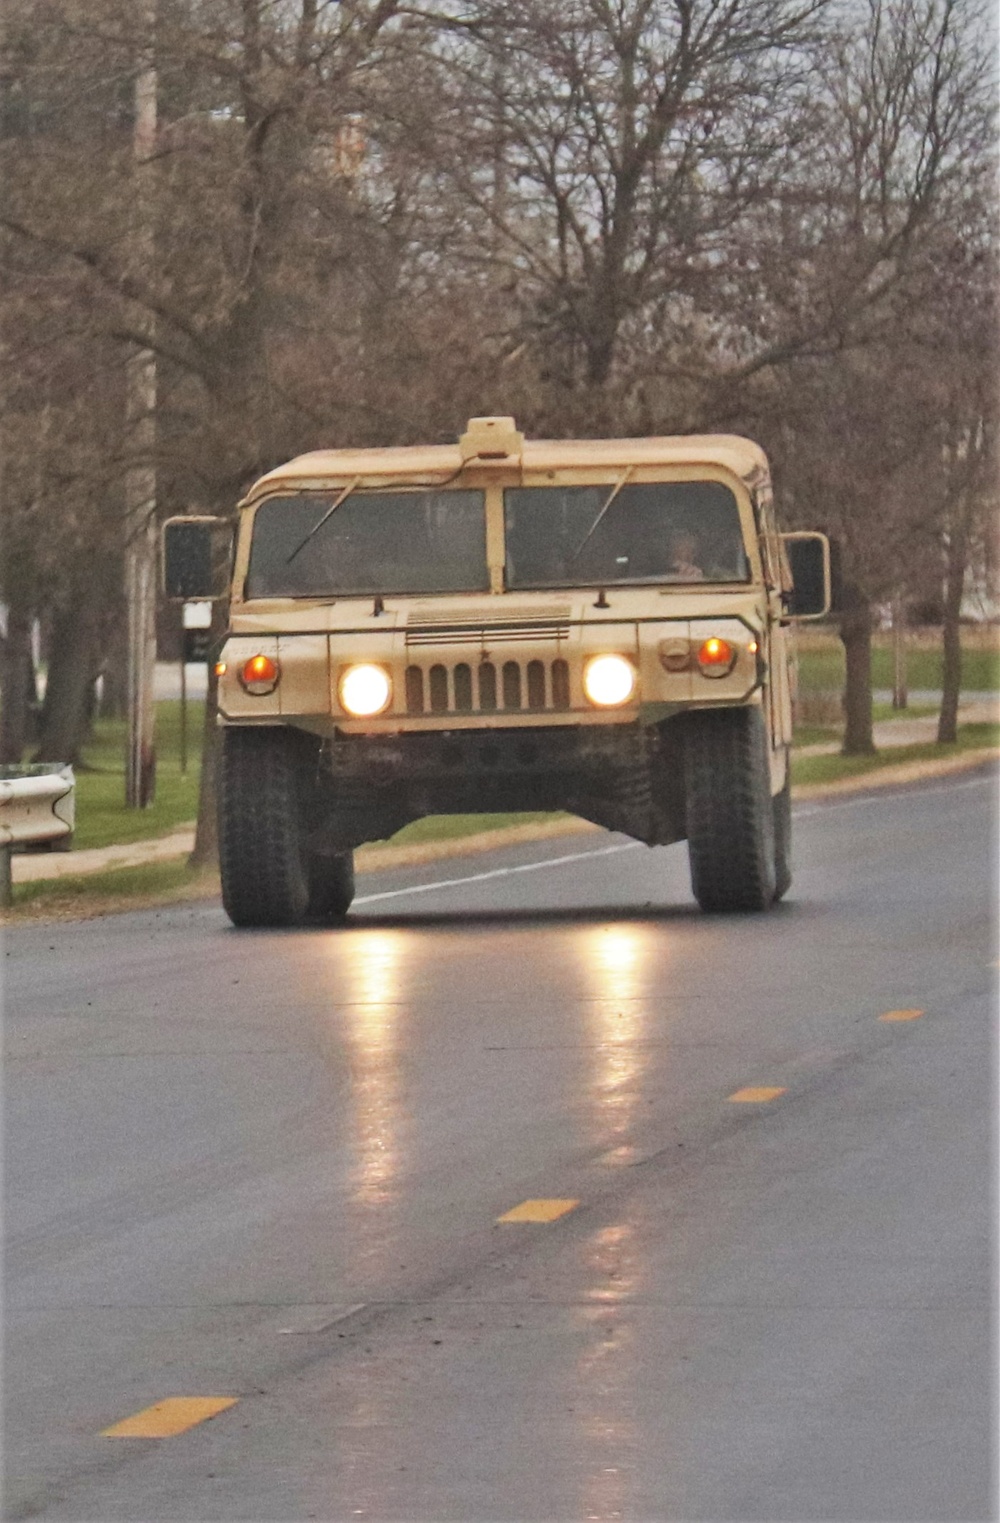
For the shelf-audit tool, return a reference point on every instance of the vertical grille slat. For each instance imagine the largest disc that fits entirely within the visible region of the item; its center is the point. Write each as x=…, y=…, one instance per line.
x=439, y=689
x=537, y=686
x=463, y=687
x=487, y=687
x=560, y=684
x=414, y=690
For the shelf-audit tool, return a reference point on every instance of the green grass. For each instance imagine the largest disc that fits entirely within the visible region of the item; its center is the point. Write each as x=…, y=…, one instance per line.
x=815, y=734
x=101, y=816
x=829, y=769
x=450, y=827
x=822, y=669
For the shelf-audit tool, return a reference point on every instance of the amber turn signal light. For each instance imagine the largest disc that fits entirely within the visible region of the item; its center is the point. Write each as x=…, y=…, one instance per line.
x=716, y=657
x=260, y=675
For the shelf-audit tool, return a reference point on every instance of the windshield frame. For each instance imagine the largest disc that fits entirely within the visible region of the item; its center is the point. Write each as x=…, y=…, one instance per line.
x=494, y=483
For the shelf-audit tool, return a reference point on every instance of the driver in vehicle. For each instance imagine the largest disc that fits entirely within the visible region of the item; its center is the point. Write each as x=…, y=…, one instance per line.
x=682, y=565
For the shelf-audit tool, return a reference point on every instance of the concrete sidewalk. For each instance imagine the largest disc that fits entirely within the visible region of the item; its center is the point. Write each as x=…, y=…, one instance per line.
x=33, y=867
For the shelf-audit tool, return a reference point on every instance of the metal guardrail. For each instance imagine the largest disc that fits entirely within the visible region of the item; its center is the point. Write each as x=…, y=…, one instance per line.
x=37, y=806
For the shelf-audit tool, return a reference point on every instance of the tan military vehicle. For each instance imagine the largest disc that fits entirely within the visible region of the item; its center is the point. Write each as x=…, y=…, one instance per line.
x=598, y=626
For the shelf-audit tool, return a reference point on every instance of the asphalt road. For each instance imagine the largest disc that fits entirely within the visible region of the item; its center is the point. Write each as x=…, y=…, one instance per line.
x=270, y=1167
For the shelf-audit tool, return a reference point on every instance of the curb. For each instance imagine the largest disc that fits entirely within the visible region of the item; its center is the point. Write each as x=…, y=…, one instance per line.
x=896, y=776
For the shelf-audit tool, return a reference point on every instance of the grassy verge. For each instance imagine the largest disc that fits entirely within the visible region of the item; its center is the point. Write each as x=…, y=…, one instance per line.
x=112, y=891
x=830, y=769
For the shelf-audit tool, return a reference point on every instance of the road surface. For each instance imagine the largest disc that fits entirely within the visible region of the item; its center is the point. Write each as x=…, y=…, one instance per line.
x=270, y=1168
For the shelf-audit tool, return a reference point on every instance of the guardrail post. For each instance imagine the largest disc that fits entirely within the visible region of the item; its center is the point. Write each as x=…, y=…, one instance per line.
x=37, y=810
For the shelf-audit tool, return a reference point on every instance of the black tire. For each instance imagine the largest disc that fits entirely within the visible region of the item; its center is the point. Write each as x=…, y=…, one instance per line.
x=263, y=864
x=331, y=886
x=782, y=804
x=730, y=817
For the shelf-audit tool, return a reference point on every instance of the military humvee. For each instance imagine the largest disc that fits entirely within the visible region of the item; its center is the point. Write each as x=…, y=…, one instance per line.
x=599, y=626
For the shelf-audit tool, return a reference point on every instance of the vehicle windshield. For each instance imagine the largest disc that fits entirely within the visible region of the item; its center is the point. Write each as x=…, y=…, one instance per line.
x=372, y=542
x=665, y=531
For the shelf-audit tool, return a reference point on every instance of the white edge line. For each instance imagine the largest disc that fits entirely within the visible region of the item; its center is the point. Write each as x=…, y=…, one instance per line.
x=498, y=872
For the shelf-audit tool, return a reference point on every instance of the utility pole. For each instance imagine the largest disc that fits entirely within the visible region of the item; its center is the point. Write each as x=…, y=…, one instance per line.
x=900, y=695
x=140, y=476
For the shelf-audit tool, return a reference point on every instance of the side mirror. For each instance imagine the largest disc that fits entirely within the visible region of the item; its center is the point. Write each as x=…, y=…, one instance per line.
x=808, y=557
x=196, y=555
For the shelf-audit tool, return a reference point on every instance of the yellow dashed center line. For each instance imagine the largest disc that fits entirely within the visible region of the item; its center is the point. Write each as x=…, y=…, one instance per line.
x=756, y=1095
x=902, y=1015
x=173, y=1415
x=538, y=1211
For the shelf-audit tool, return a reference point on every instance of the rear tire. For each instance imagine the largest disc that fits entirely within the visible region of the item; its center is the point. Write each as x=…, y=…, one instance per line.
x=261, y=855
x=331, y=886
x=730, y=816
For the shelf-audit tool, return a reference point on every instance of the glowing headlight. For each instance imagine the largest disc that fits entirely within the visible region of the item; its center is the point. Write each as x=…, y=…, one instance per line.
x=609, y=680
x=365, y=690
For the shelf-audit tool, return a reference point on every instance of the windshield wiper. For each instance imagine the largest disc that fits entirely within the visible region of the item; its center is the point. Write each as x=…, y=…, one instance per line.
x=335, y=504
x=623, y=478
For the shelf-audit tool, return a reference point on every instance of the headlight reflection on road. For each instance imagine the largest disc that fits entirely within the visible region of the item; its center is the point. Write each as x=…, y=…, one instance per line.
x=616, y=958
x=372, y=1024
x=619, y=965
x=604, y=1380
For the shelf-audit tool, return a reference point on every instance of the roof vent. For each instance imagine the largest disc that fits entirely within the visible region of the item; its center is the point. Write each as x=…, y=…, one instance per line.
x=491, y=439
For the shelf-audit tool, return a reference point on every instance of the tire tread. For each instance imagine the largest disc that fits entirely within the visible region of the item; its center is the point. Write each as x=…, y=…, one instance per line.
x=730, y=819
x=261, y=859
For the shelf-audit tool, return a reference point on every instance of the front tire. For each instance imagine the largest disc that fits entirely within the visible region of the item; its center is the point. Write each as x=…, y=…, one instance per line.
x=730, y=816
x=263, y=865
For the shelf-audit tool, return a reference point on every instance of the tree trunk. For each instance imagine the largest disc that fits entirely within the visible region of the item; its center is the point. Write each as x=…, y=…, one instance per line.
x=856, y=634
x=206, y=838
x=951, y=632
x=17, y=687
x=73, y=666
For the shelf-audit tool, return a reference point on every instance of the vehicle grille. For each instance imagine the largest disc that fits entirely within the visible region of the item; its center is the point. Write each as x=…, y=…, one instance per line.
x=487, y=687
x=479, y=624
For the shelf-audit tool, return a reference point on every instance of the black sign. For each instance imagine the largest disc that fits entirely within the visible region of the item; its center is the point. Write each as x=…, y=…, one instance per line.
x=197, y=644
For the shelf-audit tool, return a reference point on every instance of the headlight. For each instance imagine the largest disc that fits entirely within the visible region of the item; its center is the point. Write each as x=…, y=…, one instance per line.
x=609, y=680
x=259, y=675
x=364, y=690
